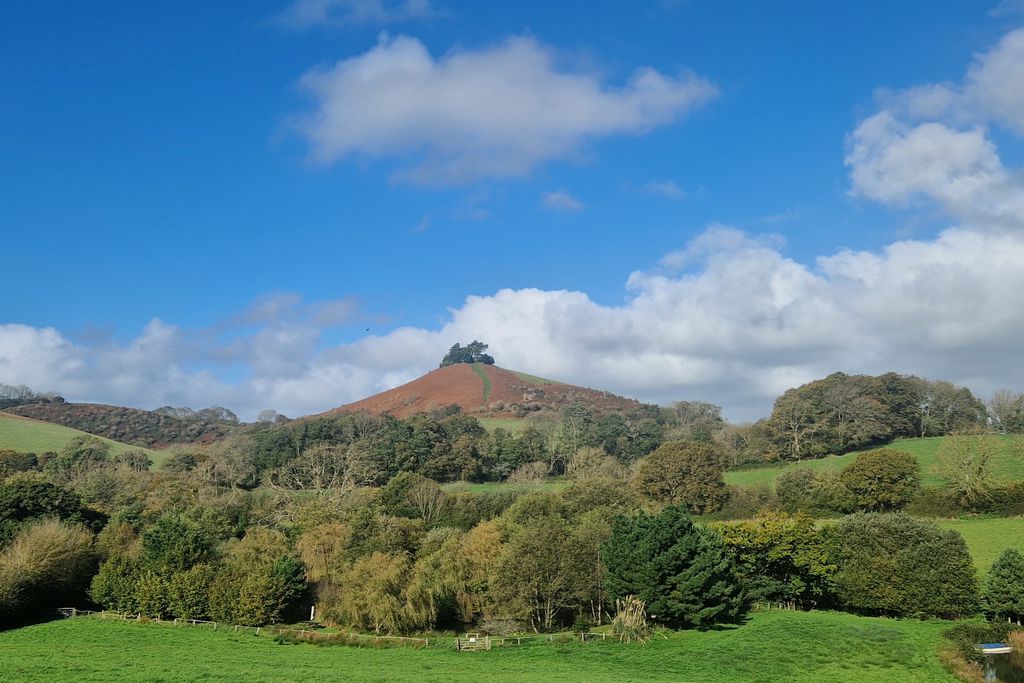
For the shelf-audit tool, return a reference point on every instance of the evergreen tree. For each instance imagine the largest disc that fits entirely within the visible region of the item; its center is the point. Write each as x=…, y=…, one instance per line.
x=683, y=572
x=1004, y=586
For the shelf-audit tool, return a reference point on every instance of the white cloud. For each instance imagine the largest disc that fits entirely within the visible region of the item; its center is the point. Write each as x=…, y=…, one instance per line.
x=741, y=323
x=561, y=201
x=304, y=14
x=472, y=114
x=932, y=142
x=665, y=188
x=995, y=82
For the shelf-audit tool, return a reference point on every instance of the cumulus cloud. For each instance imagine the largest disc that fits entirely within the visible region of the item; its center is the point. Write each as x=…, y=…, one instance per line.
x=735, y=322
x=932, y=142
x=471, y=114
x=561, y=201
x=304, y=14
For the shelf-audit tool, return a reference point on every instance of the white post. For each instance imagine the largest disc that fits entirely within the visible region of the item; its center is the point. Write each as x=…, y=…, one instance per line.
x=312, y=612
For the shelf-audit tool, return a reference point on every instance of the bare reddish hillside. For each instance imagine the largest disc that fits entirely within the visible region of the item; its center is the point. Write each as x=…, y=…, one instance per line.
x=502, y=394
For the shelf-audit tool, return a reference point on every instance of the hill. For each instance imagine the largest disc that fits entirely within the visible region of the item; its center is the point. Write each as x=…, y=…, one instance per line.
x=1007, y=465
x=486, y=391
x=127, y=425
x=26, y=435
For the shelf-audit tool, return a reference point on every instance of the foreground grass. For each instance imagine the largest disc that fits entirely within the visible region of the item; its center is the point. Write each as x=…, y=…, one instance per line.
x=1007, y=465
x=771, y=647
x=987, y=537
x=34, y=436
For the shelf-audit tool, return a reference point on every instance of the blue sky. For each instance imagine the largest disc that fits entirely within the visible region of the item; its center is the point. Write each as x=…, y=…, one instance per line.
x=286, y=204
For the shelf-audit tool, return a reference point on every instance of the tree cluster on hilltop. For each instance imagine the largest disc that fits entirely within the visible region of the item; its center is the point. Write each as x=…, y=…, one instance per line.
x=472, y=352
x=16, y=395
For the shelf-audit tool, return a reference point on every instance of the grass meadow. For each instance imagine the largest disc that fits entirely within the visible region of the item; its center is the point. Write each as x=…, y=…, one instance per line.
x=34, y=436
x=987, y=537
x=791, y=647
x=1008, y=464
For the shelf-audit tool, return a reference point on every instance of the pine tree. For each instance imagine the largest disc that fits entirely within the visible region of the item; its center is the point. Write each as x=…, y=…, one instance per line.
x=1004, y=586
x=683, y=572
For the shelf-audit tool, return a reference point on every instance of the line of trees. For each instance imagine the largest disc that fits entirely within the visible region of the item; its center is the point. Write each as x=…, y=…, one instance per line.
x=843, y=413
x=544, y=562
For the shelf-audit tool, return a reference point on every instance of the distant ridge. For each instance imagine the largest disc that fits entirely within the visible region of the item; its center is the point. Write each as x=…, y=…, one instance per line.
x=485, y=391
x=127, y=425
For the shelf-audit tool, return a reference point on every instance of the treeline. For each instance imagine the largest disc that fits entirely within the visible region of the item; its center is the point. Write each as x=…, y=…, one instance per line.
x=144, y=428
x=395, y=560
x=843, y=413
x=15, y=395
x=411, y=556
x=365, y=450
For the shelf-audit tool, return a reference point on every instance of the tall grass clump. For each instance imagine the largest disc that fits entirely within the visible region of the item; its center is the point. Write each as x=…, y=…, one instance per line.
x=630, y=622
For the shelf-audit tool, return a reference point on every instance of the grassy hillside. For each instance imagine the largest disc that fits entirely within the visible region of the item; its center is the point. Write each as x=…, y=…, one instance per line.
x=33, y=436
x=772, y=647
x=1008, y=465
x=509, y=424
x=988, y=537
x=127, y=425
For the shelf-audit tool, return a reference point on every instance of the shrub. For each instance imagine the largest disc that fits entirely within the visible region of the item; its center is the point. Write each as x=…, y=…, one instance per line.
x=24, y=500
x=893, y=564
x=882, y=480
x=189, y=592
x=746, y=501
x=781, y=558
x=153, y=594
x=115, y=586
x=48, y=564
x=684, y=473
x=795, y=489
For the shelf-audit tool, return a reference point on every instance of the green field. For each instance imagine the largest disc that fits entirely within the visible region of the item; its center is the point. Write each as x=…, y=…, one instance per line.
x=1008, y=465
x=32, y=436
x=987, y=537
x=797, y=647
x=509, y=424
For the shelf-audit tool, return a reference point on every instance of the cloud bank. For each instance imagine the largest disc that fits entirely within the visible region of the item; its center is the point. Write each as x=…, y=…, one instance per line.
x=472, y=114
